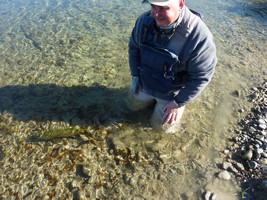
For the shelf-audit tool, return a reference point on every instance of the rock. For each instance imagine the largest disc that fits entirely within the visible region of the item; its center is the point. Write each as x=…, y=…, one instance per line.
x=264, y=133
x=263, y=126
x=261, y=121
x=255, y=89
x=188, y=195
x=260, y=137
x=252, y=164
x=81, y=194
x=248, y=155
x=226, y=151
x=258, y=143
x=241, y=110
x=233, y=170
x=239, y=166
x=257, y=156
x=263, y=161
x=74, y=184
x=252, y=129
x=264, y=170
x=264, y=155
x=226, y=165
x=207, y=195
x=264, y=184
x=224, y=175
x=259, y=150
x=2, y=154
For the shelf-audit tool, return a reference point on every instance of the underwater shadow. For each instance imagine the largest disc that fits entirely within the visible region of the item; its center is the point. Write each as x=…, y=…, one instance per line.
x=76, y=105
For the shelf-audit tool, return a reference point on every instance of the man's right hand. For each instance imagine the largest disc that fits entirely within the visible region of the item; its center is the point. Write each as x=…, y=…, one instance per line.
x=136, y=84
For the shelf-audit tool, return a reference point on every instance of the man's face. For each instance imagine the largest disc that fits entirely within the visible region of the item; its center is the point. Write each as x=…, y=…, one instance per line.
x=165, y=15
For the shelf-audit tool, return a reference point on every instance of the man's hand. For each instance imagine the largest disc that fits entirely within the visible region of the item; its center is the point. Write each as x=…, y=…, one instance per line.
x=171, y=113
x=136, y=84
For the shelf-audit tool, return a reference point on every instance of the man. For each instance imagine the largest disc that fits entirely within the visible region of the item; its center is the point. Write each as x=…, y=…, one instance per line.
x=172, y=58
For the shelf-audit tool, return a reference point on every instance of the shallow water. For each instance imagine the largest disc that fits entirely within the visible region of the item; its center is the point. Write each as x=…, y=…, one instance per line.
x=66, y=61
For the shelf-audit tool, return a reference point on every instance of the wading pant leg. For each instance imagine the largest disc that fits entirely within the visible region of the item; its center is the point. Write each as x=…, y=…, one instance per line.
x=157, y=122
x=139, y=101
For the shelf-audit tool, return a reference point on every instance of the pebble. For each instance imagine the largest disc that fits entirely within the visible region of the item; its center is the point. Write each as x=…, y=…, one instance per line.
x=239, y=166
x=2, y=154
x=257, y=156
x=248, y=155
x=233, y=169
x=226, y=165
x=241, y=110
x=255, y=89
x=264, y=170
x=252, y=129
x=264, y=184
x=259, y=150
x=263, y=126
x=260, y=137
x=252, y=164
x=263, y=161
x=81, y=194
x=226, y=151
x=224, y=175
x=84, y=138
x=262, y=121
x=209, y=195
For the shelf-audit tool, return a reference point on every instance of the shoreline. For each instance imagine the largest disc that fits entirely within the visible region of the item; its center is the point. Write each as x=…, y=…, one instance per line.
x=245, y=156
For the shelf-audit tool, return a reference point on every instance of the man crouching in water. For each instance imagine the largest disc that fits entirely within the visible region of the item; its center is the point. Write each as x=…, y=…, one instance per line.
x=172, y=58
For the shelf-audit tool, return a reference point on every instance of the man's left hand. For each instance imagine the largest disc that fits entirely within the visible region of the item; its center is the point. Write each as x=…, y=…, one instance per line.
x=171, y=113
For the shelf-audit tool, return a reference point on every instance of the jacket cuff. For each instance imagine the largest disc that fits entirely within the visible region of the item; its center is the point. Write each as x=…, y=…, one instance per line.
x=178, y=105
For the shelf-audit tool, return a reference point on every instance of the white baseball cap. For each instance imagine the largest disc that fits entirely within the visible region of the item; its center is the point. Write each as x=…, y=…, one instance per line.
x=158, y=2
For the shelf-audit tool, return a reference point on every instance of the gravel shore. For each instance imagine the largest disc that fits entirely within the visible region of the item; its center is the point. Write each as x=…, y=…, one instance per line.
x=246, y=154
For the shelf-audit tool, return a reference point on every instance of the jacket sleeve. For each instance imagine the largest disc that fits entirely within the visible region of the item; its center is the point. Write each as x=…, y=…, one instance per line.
x=200, y=54
x=133, y=47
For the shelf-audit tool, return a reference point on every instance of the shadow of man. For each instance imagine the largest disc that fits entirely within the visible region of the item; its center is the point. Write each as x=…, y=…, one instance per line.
x=77, y=105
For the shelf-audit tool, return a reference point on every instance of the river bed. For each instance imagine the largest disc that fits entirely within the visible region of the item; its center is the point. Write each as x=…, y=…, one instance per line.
x=63, y=66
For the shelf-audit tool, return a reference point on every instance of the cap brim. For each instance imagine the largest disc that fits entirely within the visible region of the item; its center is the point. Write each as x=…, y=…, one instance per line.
x=157, y=3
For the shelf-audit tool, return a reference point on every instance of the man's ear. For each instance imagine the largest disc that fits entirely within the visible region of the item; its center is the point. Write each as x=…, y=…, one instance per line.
x=181, y=4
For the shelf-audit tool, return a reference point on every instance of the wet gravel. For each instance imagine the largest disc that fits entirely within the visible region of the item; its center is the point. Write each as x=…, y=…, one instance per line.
x=246, y=153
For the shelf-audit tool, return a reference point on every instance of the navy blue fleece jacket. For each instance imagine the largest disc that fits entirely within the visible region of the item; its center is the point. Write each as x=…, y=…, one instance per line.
x=199, y=54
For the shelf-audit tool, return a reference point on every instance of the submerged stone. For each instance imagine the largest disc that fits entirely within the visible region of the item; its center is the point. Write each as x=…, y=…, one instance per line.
x=224, y=175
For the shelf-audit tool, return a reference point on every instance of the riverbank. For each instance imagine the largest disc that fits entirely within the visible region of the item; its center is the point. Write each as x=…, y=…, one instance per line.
x=249, y=147
x=245, y=157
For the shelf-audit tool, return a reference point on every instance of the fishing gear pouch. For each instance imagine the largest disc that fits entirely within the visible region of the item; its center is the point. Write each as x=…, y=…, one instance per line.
x=159, y=70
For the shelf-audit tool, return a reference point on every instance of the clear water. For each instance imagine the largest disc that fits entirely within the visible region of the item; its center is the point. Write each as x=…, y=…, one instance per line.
x=61, y=58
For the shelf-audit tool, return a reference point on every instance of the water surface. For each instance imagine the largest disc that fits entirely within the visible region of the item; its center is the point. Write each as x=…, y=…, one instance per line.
x=66, y=61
